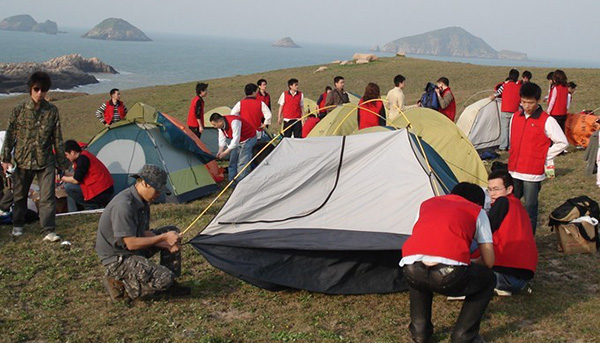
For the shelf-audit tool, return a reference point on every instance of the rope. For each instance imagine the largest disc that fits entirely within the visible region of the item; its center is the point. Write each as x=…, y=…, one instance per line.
x=462, y=108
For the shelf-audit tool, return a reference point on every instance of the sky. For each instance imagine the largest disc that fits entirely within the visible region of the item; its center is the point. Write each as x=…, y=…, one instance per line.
x=553, y=29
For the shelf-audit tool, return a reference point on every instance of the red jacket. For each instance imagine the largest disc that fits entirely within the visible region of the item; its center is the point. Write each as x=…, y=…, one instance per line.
x=450, y=110
x=510, y=96
x=264, y=98
x=368, y=114
x=96, y=180
x=251, y=110
x=445, y=228
x=528, y=143
x=248, y=131
x=560, y=103
x=309, y=124
x=192, y=120
x=291, y=106
x=321, y=104
x=514, y=244
x=109, y=111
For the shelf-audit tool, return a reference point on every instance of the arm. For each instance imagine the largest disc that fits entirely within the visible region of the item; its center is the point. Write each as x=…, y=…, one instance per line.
x=236, y=129
x=555, y=133
x=484, y=238
x=236, y=110
x=100, y=113
x=199, y=112
x=165, y=240
x=9, y=142
x=302, y=108
x=498, y=92
x=266, y=114
x=551, y=100
x=498, y=212
x=487, y=255
x=124, y=109
x=281, y=102
x=222, y=143
x=444, y=100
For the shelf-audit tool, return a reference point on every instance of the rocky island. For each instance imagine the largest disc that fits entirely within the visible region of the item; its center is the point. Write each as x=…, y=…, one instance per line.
x=25, y=22
x=116, y=29
x=66, y=72
x=452, y=42
x=286, y=42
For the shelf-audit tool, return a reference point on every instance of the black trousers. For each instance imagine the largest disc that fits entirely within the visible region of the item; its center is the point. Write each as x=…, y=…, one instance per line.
x=296, y=128
x=561, y=120
x=476, y=282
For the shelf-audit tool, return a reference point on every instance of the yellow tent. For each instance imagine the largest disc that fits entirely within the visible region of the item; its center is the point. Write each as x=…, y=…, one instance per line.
x=223, y=110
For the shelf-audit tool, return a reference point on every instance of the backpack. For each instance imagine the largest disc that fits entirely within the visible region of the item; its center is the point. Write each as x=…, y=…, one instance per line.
x=574, y=235
x=429, y=98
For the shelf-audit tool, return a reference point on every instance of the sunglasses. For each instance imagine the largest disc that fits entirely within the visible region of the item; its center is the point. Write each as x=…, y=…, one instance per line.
x=38, y=89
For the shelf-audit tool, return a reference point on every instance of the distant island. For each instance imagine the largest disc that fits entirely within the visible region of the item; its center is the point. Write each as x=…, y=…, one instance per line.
x=66, y=72
x=24, y=22
x=286, y=42
x=451, y=41
x=116, y=29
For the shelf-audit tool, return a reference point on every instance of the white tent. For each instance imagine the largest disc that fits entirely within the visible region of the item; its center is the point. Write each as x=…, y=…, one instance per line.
x=480, y=122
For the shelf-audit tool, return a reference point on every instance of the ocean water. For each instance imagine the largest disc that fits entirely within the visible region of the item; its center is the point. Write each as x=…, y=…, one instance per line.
x=177, y=58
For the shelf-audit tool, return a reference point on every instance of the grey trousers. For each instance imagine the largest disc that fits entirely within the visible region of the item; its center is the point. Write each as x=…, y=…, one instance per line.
x=22, y=180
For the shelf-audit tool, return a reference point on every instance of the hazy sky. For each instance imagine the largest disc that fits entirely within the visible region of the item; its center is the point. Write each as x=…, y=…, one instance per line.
x=555, y=29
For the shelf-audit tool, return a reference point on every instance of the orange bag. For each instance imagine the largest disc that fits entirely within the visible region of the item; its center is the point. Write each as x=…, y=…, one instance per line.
x=580, y=126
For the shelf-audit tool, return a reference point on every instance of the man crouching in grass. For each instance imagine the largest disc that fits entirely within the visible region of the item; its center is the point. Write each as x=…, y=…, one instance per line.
x=125, y=242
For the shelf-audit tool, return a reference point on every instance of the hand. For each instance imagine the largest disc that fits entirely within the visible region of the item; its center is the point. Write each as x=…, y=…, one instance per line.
x=279, y=121
x=175, y=248
x=201, y=129
x=172, y=238
x=492, y=97
x=106, y=124
x=550, y=171
x=6, y=166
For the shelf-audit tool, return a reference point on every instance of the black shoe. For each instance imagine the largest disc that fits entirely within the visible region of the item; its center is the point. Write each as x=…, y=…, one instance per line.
x=178, y=290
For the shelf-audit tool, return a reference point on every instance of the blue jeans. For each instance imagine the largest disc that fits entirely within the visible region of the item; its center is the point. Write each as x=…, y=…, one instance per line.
x=239, y=157
x=510, y=283
x=75, y=197
x=504, y=129
x=529, y=190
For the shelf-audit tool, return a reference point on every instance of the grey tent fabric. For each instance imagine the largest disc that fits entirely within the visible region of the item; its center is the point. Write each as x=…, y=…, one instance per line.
x=481, y=123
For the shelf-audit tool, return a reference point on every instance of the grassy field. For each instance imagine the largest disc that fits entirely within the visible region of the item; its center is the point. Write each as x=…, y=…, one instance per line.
x=48, y=294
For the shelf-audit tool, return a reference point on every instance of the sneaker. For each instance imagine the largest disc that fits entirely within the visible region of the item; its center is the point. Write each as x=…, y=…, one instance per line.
x=460, y=298
x=114, y=288
x=17, y=231
x=178, y=290
x=52, y=237
x=502, y=293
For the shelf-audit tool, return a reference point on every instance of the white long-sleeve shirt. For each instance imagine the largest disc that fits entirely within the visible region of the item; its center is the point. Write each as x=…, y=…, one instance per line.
x=560, y=143
x=236, y=130
x=236, y=111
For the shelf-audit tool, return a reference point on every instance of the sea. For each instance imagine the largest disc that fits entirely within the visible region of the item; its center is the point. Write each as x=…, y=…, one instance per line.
x=178, y=58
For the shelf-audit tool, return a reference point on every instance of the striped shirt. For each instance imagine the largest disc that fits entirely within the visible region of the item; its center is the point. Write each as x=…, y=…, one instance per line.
x=116, y=116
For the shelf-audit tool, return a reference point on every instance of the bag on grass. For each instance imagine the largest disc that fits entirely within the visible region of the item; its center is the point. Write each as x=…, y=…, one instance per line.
x=576, y=225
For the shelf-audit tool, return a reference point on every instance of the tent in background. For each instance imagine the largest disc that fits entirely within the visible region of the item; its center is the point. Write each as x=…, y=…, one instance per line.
x=334, y=216
x=480, y=122
x=210, y=136
x=147, y=136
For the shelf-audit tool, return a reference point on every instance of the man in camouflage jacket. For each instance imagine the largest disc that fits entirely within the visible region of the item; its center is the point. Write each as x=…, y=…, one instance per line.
x=34, y=141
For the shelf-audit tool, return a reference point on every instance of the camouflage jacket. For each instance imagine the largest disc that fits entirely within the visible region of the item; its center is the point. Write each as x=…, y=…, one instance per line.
x=35, y=136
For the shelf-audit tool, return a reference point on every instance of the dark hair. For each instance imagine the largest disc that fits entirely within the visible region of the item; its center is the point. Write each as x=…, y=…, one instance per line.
x=40, y=79
x=572, y=85
x=327, y=88
x=215, y=117
x=292, y=81
x=530, y=90
x=113, y=91
x=371, y=92
x=337, y=79
x=201, y=87
x=559, y=77
x=507, y=179
x=470, y=191
x=513, y=75
x=398, y=79
x=550, y=76
x=444, y=80
x=250, y=88
x=260, y=82
x=499, y=166
x=71, y=145
x=527, y=74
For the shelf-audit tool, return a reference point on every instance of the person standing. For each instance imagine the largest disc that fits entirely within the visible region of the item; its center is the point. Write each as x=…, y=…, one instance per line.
x=446, y=98
x=395, y=99
x=253, y=110
x=91, y=185
x=113, y=110
x=34, y=141
x=291, y=110
x=572, y=88
x=195, y=119
x=558, y=98
x=436, y=258
x=526, y=76
x=262, y=94
x=338, y=95
x=509, y=92
x=243, y=138
x=371, y=111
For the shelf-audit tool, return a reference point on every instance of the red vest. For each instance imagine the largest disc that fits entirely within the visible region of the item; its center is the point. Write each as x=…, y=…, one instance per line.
x=309, y=124
x=109, y=111
x=528, y=143
x=510, y=97
x=264, y=98
x=192, y=121
x=368, y=114
x=560, y=104
x=97, y=179
x=248, y=131
x=322, y=103
x=251, y=110
x=450, y=110
x=514, y=244
x=291, y=106
x=445, y=228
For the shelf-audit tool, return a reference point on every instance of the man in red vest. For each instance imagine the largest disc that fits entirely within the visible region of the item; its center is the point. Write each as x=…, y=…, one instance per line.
x=253, y=110
x=514, y=244
x=446, y=98
x=509, y=92
x=243, y=138
x=436, y=258
x=535, y=140
x=262, y=94
x=113, y=110
x=195, y=119
x=91, y=186
x=291, y=110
